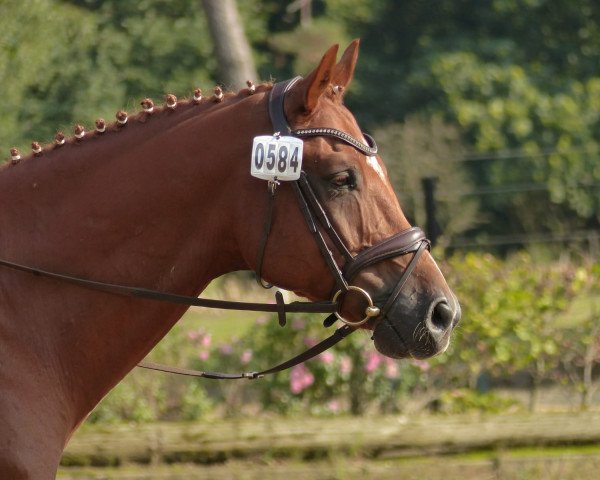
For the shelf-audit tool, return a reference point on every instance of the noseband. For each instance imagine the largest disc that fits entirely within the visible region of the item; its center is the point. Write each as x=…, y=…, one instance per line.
x=411, y=240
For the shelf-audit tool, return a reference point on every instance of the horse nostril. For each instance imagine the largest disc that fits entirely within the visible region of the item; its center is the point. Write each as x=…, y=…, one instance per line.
x=442, y=316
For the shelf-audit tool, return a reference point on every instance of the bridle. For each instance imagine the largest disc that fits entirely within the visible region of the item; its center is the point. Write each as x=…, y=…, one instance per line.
x=411, y=240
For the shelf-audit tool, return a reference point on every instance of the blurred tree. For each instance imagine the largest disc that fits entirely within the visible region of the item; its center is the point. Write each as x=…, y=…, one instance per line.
x=581, y=348
x=71, y=61
x=429, y=147
x=512, y=75
x=43, y=53
x=512, y=309
x=65, y=62
x=229, y=42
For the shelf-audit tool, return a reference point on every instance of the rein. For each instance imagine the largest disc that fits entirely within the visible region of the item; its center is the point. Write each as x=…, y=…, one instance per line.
x=411, y=240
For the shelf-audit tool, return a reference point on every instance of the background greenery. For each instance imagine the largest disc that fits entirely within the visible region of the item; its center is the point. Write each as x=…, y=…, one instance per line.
x=513, y=85
x=499, y=99
x=527, y=326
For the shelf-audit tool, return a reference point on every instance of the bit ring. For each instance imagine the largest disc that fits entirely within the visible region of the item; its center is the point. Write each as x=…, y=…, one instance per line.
x=370, y=312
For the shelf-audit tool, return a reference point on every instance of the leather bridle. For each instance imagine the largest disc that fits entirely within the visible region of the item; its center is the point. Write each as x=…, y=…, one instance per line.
x=411, y=240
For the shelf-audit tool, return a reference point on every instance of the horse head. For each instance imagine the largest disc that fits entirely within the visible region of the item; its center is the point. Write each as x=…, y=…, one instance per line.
x=415, y=310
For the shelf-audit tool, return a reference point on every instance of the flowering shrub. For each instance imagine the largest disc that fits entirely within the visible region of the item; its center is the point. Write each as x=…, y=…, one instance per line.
x=352, y=377
x=512, y=323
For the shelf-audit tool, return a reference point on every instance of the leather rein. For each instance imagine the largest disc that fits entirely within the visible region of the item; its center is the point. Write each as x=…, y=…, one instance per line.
x=411, y=240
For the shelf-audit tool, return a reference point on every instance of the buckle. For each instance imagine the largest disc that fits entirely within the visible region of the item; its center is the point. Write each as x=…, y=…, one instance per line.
x=370, y=312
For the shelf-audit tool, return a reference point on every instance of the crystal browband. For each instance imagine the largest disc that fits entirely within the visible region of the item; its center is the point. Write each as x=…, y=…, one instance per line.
x=370, y=149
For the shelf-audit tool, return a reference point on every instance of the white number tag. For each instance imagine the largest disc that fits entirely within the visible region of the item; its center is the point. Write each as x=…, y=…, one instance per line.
x=276, y=157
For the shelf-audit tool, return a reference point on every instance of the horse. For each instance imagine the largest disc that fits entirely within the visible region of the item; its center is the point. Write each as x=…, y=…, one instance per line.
x=164, y=199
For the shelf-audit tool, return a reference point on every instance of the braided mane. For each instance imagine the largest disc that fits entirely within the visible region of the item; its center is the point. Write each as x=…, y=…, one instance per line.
x=197, y=103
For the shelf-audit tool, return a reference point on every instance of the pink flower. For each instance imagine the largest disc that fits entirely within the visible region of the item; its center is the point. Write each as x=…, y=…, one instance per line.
x=391, y=368
x=345, y=365
x=226, y=349
x=298, y=324
x=310, y=341
x=421, y=365
x=193, y=334
x=327, y=357
x=203, y=355
x=334, y=406
x=300, y=379
x=205, y=342
x=246, y=356
x=373, y=361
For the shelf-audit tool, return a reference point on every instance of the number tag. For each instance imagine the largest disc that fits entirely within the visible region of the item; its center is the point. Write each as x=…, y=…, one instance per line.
x=276, y=157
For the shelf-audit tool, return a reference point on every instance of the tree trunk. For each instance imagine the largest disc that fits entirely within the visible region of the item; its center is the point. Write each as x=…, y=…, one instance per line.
x=230, y=44
x=536, y=382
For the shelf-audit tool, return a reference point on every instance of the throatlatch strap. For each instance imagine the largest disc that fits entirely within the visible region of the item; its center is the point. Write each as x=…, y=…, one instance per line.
x=265, y=237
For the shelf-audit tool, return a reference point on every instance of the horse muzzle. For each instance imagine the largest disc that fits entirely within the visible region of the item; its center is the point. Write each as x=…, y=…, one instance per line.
x=417, y=328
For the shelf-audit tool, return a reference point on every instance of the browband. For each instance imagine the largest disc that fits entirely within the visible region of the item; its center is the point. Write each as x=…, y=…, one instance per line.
x=282, y=127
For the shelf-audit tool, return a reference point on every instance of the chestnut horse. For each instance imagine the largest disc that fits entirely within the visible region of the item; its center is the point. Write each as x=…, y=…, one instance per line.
x=164, y=200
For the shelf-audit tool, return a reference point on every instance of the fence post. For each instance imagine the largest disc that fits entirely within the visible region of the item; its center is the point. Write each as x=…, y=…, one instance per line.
x=594, y=245
x=432, y=227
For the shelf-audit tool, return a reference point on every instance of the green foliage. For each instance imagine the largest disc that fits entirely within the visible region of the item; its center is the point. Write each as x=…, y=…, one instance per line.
x=504, y=106
x=63, y=62
x=145, y=396
x=467, y=400
x=428, y=147
x=510, y=312
x=352, y=377
x=306, y=44
x=517, y=318
x=513, y=76
x=150, y=397
x=435, y=79
x=508, y=75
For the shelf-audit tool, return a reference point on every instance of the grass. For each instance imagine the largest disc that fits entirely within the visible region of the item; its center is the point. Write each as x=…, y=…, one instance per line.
x=223, y=325
x=524, y=464
x=300, y=437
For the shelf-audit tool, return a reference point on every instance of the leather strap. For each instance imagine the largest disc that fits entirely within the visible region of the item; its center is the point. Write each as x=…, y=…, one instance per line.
x=272, y=187
x=312, y=352
x=281, y=125
x=369, y=150
x=145, y=293
x=325, y=252
x=399, y=244
x=317, y=209
x=276, y=106
x=423, y=245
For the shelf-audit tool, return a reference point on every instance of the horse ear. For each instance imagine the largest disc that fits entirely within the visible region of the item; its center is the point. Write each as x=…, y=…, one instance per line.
x=344, y=70
x=319, y=79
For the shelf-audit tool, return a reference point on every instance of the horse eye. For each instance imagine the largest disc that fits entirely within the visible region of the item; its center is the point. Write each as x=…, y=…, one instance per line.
x=343, y=180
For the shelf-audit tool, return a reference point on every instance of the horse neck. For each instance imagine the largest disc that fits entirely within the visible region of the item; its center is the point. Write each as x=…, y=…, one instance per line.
x=148, y=196
x=151, y=207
